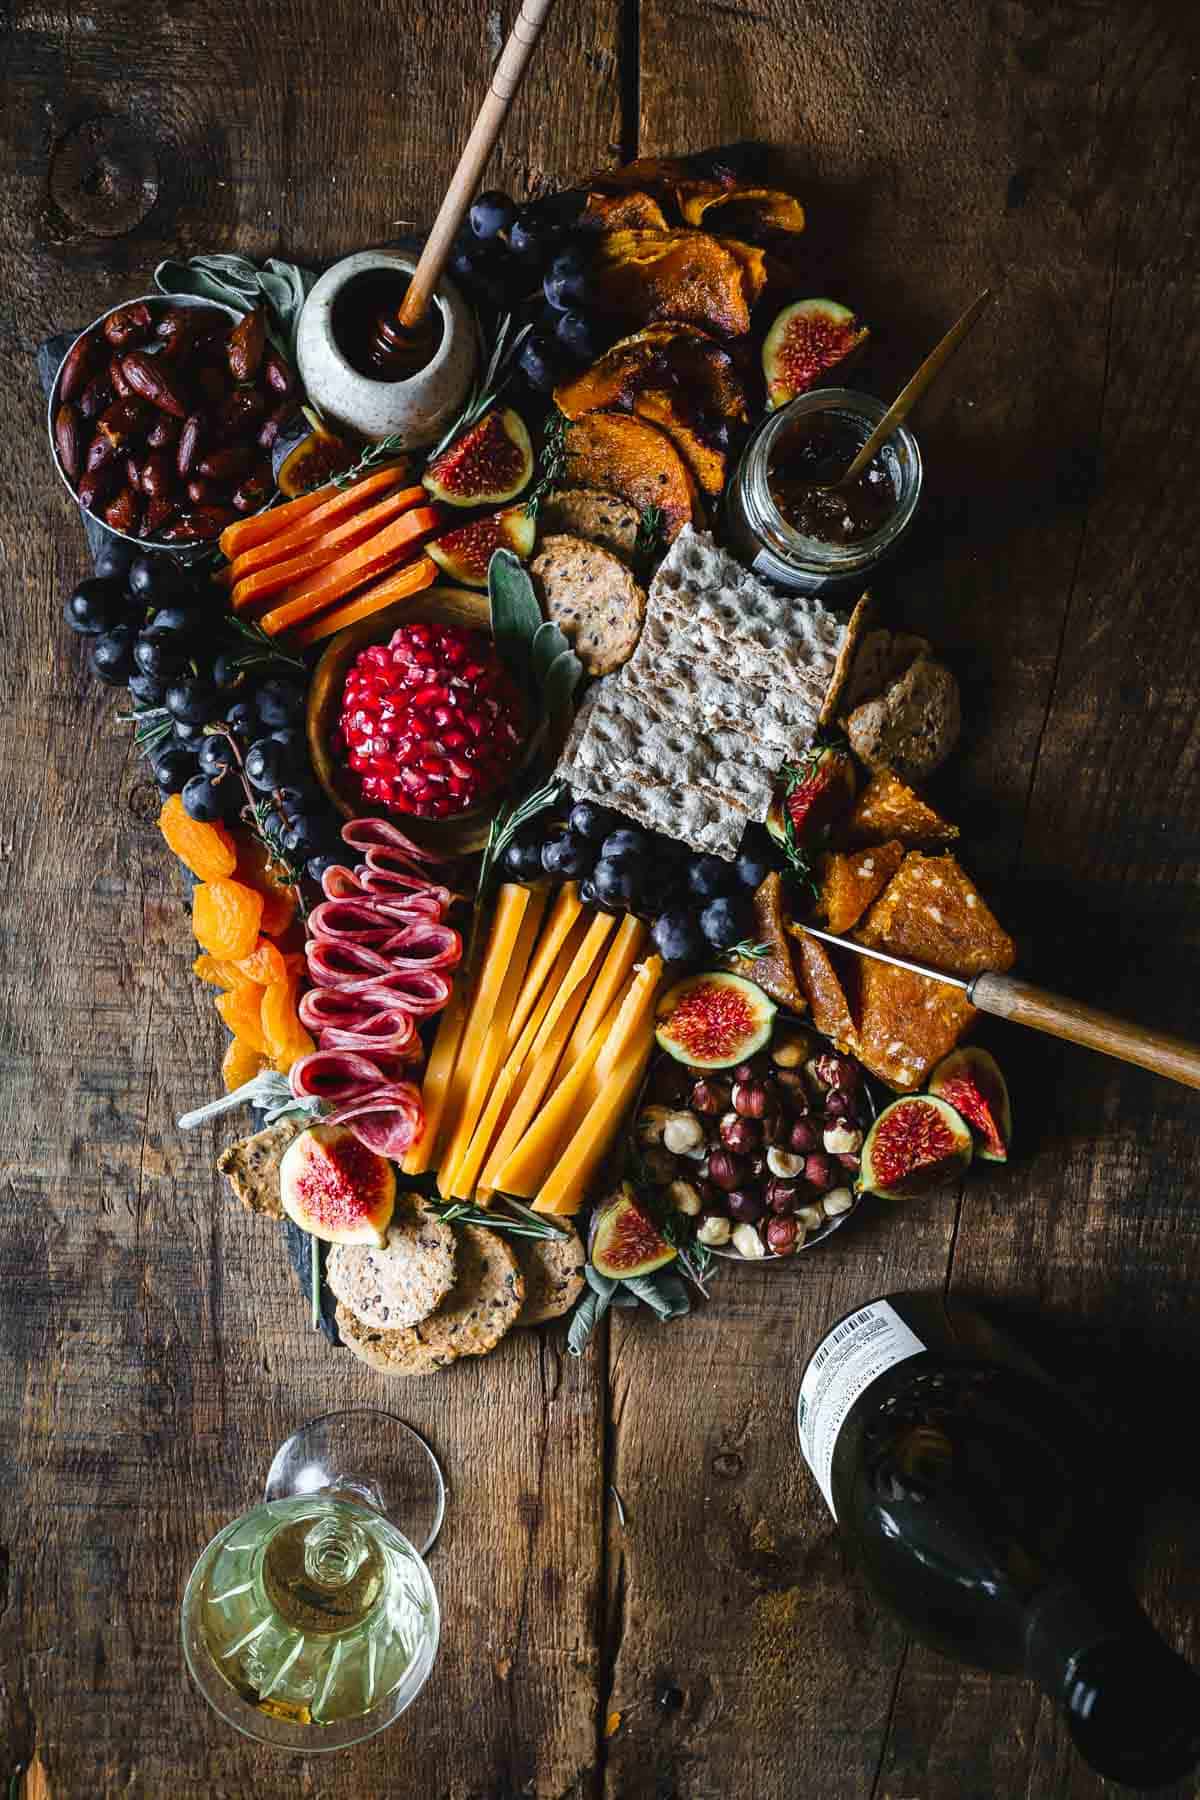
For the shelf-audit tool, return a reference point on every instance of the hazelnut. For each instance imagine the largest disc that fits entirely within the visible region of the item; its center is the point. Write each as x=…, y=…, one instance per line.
x=803, y=1137
x=837, y=1104
x=714, y=1229
x=745, y=1205
x=747, y=1242
x=837, y=1200
x=683, y=1134
x=710, y=1097
x=741, y=1135
x=726, y=1169
x=812, y=1074
x=811, y=1217
x=749, y=1099
x=784, y=1163
x=650, y=1124
x=792, y=1083
x=834, y=1071
x=684, y=1197
x=780, y=1196
x=818, y=1172
x=747, y=1071
x=789, y=1050
x=782, y=1235
x=841, y=1139
x=659, y=1164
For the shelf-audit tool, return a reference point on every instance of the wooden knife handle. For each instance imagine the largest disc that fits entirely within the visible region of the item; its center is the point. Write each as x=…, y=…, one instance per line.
x=506, y=79
x=1025, y=1004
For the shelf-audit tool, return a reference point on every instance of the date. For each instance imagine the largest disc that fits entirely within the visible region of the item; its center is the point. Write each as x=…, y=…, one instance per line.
x=123, y=512
x=158, y=477
x=273, y=424
x=164, y=433
x=159, y=512
x=247, y=342
x=101, y=453
x=255, y=490
x=197, y=527
x=225, y=465
x=96, y=483
x=277, y=376
x=78, y=365
x=150, y=380
x=129, y=325
x=189, y=444
x=96, y=396
x=68, y=440
x=122, y=422
x=116, y=376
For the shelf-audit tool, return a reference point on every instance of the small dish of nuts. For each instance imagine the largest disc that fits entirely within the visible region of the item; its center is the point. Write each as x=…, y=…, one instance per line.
x=762, y=1158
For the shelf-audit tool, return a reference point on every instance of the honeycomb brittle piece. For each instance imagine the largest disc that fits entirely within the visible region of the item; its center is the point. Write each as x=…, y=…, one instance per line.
x=907, y=1023
x=888, y=808
x=851, y=879
x=933, y=912
x=827, y=999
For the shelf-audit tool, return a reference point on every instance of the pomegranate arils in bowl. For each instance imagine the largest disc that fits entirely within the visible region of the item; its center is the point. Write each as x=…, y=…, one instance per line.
x=431, y=722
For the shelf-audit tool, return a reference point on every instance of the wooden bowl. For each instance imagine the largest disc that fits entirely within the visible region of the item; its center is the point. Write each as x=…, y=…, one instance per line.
x=456, y=836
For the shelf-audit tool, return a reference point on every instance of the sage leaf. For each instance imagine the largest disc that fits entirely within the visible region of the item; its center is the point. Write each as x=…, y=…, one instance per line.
x=549, y=641
x=584, y=1320
x=516, y=614
x=561, y=679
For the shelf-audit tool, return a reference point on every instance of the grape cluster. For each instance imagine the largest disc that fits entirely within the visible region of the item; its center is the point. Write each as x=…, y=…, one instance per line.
x=697, y=904
x=536, y=263
x=152, y=629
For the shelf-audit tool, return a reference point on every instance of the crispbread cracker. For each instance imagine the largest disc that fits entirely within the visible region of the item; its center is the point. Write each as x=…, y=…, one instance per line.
x=684, y=813
x=603, y=519
x=591, y=595
x=391, y=1352
x=251, y=1166
x=625, y=735
x=484, y=1301
x=847, y=658
x=553, y=1271
x=403, y=1282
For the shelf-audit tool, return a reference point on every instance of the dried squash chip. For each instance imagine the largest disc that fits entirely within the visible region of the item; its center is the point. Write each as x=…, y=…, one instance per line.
x=207, y=850
x=226, y=916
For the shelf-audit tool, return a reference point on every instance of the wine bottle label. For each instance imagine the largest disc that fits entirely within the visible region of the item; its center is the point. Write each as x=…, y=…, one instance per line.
x=855, y=1353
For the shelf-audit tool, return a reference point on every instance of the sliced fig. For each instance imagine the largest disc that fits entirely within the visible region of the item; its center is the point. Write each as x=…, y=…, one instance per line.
x=337, y=1189
x=489, y=463
x=466, y=552
x=806, y=340
x=915, y=1144
x=625, y=1241
x=815, y=793
x=713, y=1021
x=316, y=457
x=971, y=1081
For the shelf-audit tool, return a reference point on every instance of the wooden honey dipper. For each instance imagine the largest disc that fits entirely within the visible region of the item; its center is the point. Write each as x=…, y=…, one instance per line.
x=399, y=345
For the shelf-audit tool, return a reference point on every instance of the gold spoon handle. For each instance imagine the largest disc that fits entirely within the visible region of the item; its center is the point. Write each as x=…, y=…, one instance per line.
x=908, y=396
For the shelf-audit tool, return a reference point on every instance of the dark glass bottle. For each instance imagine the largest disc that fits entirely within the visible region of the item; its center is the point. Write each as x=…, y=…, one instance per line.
x=970, y=1489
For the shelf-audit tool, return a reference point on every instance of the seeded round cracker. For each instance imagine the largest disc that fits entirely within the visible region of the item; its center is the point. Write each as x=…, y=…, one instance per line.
x=484, y=1301
x=403, y=1282
x=391, y=1352
x=603, y=519
x=553, y=1271
x=590, y=594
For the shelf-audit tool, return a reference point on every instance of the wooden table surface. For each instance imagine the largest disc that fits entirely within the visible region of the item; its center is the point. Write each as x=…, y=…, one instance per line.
x=155, y=1344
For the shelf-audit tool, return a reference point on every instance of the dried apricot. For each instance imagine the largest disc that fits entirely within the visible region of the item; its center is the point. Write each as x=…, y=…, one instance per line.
x=207, y=850
x=256, y=868
x=241, y=1010
x=220, y=974
x=285, y=1035
x=240, y=1064
x=226, y=916
x=264, y=964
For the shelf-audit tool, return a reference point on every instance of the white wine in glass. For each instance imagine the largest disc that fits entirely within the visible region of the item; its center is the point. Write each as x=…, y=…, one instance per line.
x=311, y=1622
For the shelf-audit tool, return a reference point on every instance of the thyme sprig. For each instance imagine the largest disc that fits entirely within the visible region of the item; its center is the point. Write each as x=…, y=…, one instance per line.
x=264, y=648
x=552, y=461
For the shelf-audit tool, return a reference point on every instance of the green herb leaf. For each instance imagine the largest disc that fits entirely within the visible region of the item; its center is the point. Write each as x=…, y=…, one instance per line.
x=651, y=533
x=750, y=951
x=562, y=678
x=462, y=1212
x=552, y=460
x=584, y=1320
x=265, y=648
x=549, y=641
x=516, y=615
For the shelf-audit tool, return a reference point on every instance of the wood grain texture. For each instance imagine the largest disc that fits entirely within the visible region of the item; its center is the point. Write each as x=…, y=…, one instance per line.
x=156, y=1347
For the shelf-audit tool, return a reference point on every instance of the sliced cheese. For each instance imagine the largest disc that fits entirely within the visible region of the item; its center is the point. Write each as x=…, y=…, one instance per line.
x=512, y=905
x=565, y=1188
x=535, y=1151
x=527, y=1056
x=623, y=952
x=636, y=1007
x=438, y=1072
x=490, y=1056
x=561, y=922
x=578, y=977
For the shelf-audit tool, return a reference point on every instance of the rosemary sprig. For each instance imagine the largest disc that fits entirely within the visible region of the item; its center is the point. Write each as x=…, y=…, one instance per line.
x=388, y=449
x=505, y=826
x=152, y=726
x=487, y=390
x=552, y=461
x=286, y=868
x=750, y=951
x=265, y=648
x=461, y=1212
x=648, y=546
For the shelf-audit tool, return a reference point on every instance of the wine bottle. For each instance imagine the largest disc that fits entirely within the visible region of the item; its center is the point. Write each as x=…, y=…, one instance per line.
x=968, y=1485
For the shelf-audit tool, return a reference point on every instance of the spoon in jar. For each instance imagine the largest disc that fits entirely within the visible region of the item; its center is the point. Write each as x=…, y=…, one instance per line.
x=908, y=396
x=401, y=341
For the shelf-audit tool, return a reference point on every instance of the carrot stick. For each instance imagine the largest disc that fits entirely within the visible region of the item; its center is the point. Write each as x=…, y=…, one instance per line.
x=293, y=565
x=314, y=527
x=244, y=534
x=398, y=586
x=396, y=543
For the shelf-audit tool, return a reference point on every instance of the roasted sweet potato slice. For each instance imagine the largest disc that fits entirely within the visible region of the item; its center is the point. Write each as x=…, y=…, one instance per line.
x=773, y=969
x=680, y=379
x=652, y=172
x=684, y=275
x=745, y=211
x=625, y=456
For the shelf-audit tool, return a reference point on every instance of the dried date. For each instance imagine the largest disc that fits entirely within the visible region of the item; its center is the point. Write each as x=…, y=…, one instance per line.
x=116, y=376
x=255, y=490
x=197, y=527
x=123, y=512
x=129, y=325
x=225, y=465
x=159, y=512
x=96, y=396
x=158, y=477
x=164, y=433
x=247, y=342
x=189, y=444
x=67, y=439
x=77, y=366
x=122, y=422
x=277, y=376
x=149, y=378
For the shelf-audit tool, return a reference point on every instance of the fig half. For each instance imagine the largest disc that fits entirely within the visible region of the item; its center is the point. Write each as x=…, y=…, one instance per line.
x=816, y=792
x=972, y=1082
x=915, y=1144
x=805, y=341
x=487, y=464
x=625, y=1241
x=465, y=552
x=713, y=1021
x=337, y=1189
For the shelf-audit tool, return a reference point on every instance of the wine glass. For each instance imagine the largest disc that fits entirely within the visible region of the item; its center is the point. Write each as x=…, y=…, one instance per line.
x=311, y=1622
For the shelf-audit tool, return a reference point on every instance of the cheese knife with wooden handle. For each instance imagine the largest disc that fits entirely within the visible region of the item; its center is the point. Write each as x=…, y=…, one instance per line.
x=1055, y=1014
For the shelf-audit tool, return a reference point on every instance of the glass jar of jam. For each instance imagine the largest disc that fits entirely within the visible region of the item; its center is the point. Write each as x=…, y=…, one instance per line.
x=780, y=515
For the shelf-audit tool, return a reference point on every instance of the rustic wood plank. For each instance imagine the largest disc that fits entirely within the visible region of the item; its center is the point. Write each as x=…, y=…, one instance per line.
x=156, y=1344
x=941, y=151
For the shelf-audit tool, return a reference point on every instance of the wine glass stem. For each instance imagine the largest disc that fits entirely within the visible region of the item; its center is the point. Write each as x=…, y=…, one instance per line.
x=333, y=1552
